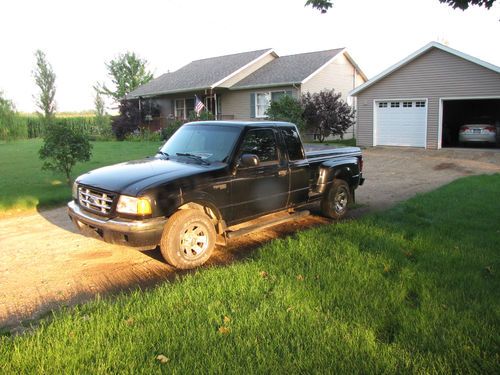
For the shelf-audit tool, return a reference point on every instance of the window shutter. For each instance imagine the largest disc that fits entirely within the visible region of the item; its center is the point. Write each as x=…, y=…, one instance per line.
x=252, y=105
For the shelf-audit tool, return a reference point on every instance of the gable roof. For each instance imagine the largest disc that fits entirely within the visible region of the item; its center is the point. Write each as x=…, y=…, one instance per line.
x=199, y=74
x=286, y=70
x=417, y=54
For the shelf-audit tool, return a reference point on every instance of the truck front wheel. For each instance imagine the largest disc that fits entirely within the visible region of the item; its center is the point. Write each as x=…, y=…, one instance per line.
x=188, y=239
x=336, y=200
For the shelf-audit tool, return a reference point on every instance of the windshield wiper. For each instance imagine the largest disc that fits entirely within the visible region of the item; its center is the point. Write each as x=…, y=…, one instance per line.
x=193, y=156
x=163, y=153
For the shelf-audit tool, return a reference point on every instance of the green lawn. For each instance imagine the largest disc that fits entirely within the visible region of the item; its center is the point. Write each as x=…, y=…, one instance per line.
x=23, y=185
x=415, y=289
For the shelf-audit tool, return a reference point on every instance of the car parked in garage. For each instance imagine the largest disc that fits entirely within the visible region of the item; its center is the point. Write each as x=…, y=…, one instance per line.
x=477, y=133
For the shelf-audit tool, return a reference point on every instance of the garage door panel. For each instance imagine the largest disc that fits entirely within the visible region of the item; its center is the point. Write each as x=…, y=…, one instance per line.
x=400, y=126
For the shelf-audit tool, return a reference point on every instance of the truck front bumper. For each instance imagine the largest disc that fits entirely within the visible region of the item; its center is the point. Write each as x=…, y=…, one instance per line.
x=145, y=232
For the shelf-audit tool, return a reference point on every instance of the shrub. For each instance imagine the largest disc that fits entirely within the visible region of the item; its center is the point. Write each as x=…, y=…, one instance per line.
x=63, y=147
x=170, y=129
x=287, y=108
x=327, y=114
x=145, y=134
x=203, y=116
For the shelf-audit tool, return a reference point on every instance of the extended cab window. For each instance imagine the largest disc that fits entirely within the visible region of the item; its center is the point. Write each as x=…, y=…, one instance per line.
x=261, y=143
x=293, y=144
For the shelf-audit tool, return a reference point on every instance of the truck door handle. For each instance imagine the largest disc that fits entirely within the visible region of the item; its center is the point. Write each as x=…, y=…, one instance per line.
x=282, y=173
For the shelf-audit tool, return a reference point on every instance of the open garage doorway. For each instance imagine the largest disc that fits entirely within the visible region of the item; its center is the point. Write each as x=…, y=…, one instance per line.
x=459, y=112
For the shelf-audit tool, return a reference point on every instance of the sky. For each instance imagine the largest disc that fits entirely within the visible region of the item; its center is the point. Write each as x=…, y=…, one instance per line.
x=79, y=37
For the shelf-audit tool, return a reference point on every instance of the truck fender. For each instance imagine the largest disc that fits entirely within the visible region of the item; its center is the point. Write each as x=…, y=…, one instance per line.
x=346, y=169
x=196, y=200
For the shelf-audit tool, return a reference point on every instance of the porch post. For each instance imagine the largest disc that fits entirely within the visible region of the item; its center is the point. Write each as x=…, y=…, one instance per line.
x=215, y=103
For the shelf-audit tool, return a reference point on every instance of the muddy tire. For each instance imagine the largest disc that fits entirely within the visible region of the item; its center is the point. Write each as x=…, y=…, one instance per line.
x=188, y=239
x=336, y=200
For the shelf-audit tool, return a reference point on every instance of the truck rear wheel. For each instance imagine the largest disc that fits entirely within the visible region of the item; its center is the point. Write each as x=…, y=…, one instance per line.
x=336, y=200
x=188, y=239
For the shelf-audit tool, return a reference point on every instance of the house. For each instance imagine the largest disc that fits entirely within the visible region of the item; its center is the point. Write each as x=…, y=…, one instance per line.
x=241, y=86
x=423, y=100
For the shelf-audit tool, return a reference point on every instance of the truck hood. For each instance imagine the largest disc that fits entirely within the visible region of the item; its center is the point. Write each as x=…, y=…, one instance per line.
x=133, y=177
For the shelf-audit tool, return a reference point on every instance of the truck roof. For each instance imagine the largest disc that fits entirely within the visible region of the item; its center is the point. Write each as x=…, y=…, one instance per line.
x=259, y=124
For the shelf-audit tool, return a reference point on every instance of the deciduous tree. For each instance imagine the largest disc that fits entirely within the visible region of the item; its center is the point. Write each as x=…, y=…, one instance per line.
x=324, y=5
x=63, y=147
x=327, y=114
x=45, y=79
x=127, y=72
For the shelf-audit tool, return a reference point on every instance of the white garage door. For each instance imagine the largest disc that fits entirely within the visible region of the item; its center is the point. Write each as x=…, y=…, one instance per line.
x=400, y=123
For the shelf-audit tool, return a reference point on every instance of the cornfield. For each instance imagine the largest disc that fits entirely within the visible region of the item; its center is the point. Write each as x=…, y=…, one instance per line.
x=18, y=126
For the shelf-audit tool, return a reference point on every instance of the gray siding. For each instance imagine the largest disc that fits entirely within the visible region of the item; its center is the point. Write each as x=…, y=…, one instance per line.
x=434, y=75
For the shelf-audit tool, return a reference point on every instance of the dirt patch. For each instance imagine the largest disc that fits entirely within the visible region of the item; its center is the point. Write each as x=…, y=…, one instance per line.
x=453, y=166
x=44, y=263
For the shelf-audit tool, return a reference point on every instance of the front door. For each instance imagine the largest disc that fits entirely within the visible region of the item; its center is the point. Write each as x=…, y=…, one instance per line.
x=263, y=188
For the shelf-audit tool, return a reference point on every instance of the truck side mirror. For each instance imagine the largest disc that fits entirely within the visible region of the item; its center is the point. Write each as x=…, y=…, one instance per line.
x=249, y=160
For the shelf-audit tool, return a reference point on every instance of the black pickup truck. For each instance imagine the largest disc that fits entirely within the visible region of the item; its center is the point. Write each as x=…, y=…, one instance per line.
x=207, y=178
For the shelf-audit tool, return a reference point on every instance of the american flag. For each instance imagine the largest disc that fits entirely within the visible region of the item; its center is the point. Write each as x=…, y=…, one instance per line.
x=198, y=105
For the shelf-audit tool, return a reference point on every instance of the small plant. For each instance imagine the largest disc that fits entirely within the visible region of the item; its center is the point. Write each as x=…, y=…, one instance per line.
x=63, y=147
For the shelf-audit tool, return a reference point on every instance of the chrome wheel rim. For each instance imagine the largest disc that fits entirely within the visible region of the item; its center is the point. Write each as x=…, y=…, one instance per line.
x=194, y=241
x=340, y=200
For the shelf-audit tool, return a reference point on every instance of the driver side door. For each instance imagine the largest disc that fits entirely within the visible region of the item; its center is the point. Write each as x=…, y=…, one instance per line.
x=264, y=188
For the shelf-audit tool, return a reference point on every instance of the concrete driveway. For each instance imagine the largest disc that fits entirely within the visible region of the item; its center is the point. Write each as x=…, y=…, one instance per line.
x=44, y=263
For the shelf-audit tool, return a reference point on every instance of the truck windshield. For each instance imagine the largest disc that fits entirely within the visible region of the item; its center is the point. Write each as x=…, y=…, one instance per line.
x=211, y=143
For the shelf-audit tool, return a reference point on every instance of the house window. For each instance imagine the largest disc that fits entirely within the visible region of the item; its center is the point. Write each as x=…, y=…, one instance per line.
x=262, y=103
x=382, y=105
x=407, y=104
x=394, y=104
x=180, y=108
x=420, y=104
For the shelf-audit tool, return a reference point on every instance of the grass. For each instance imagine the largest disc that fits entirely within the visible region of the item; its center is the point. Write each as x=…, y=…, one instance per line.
x=415, y=289
x=24, y=186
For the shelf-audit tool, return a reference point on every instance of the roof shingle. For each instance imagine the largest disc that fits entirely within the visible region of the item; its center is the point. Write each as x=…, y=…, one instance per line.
x=199, y=74
x=288, y=69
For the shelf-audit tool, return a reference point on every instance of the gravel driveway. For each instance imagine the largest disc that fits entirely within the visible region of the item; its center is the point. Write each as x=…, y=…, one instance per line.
x=44, y=263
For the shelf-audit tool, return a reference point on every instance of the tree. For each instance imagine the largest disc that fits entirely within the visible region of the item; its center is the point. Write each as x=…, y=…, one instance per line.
x=63, y=147
x=464, y=4
x=127, y=72
x=287, y=108
x=326, y=114
x=324, y=5
x=45, y=79
x=128, y=120
x=100, y=109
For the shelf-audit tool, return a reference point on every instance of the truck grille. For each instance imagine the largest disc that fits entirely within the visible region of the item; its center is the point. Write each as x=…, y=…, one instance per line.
x=95, y=200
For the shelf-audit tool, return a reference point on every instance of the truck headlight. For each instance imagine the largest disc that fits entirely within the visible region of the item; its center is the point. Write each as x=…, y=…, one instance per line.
x=74, y=190
x=133, y=206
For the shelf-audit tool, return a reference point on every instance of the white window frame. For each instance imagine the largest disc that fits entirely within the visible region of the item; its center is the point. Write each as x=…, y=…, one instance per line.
x=269, y=94
x=183, y=108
